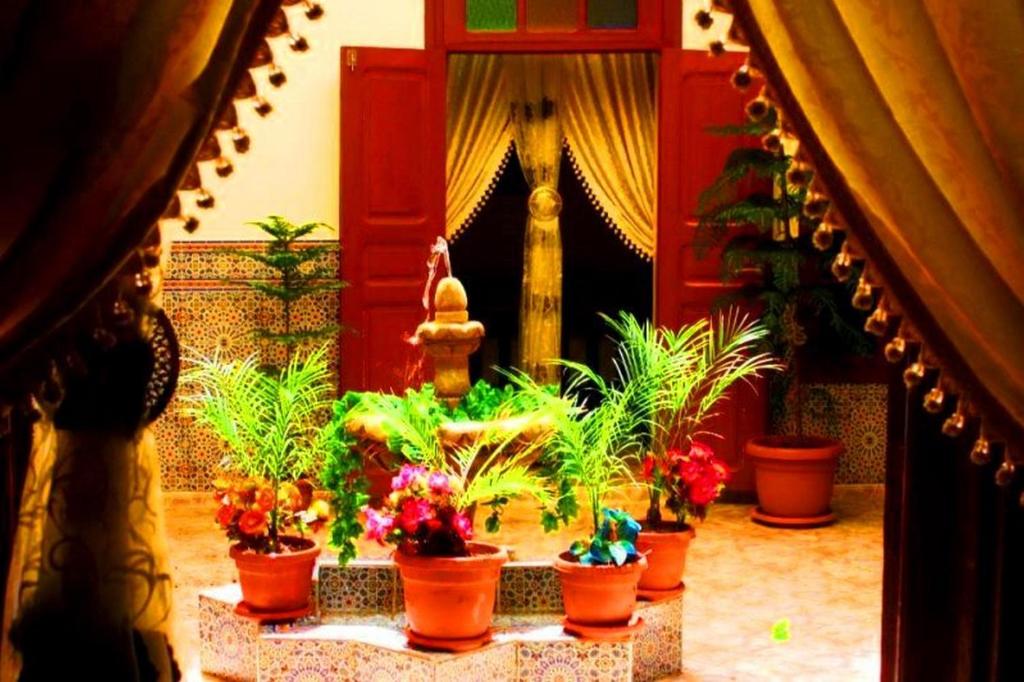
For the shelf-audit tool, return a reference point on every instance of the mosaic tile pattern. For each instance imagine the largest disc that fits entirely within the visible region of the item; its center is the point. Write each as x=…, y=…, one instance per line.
x=227, y=643
x=529, y=587
x=572, y=661
x=861, y=426
x=658, y=647
x=363, y=587
x=211, y=314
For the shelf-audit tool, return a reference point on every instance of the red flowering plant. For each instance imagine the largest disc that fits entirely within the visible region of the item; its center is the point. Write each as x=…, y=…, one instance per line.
x=430, y=509
x=690, y=479
x=676, y=380
x=249, y=509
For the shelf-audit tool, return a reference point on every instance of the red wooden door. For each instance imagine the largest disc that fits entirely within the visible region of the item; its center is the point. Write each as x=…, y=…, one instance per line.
x=392, y=206
x=695, y=93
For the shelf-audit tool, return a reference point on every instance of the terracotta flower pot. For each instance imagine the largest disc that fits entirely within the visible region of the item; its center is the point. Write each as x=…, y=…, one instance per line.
x=277, y=582
x=451, y=598
x=665, y=549
x=602, y=596
x=794, y=478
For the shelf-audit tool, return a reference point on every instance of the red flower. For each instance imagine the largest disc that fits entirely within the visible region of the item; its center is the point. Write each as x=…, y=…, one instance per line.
x=648, y=467
x=701, y=451
x=253, y=523
x=463, y=525
x=265, y=498
x=414, y=512
x=703, y=493
x=225, y=515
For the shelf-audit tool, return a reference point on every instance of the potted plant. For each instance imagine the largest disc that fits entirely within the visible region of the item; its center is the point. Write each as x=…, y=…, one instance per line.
x=677, y=380
x=592, y=449
x=781, y=258
x=449, y=580
x=270, y=424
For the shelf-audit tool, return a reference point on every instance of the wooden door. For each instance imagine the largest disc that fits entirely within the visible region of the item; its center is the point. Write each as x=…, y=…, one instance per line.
x=695, y=93
x=392, y=206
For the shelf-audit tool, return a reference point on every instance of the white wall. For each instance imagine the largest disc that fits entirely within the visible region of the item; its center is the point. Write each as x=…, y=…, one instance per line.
x=291, y=168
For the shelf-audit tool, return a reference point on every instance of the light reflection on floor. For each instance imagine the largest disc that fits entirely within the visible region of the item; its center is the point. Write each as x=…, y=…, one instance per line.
x=741, y=580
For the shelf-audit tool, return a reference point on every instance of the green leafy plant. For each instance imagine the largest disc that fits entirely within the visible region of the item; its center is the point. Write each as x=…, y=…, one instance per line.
x=491, y=470
x=782, y=266
x=614, y=542
x=295, y=278
x=677, y=379
x=270, y=422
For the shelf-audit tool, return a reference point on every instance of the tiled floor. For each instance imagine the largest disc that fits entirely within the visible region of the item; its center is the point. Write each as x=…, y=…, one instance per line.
x=741, y=579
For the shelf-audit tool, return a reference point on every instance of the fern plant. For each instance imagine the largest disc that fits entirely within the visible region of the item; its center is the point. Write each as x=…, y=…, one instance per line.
x=295, y=278
x=781, y=266
x=270, y=423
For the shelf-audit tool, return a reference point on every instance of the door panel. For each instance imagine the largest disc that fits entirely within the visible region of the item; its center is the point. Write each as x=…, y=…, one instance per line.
x=392, y=207
x=695, y=93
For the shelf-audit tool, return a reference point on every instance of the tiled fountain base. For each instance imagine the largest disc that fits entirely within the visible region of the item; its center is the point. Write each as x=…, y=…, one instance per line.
x=357, y=635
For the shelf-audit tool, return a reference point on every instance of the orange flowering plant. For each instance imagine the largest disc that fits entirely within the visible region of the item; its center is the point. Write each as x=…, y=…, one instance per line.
x=275, y=427
x=248, y=508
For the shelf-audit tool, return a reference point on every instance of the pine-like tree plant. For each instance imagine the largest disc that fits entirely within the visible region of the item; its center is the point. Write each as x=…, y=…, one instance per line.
x=783, y=264
x=295, y=277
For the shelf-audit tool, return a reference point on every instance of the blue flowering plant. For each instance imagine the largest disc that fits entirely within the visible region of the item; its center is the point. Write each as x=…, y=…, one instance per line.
x=614, y=542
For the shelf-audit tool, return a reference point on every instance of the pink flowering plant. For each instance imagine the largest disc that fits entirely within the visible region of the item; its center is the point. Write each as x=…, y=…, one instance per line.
x=429, y=511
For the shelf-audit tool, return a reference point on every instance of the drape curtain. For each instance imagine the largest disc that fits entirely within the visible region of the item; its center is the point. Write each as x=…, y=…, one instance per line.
x=610, y=120
x=479, y=134
x=106, y=106
x=918, y=105
x=535, y=89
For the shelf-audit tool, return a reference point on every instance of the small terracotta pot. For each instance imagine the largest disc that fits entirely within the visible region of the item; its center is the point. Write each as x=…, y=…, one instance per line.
x=794, y=476
x=665, y=548
x=602, y=596
x=277, y=582
x=450, y=598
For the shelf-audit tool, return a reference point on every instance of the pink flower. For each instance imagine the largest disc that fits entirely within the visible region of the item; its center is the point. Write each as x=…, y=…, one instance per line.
x=463, y=525
x=407, y=475
x=414, y=512
x=378, y=525
x=439, y=484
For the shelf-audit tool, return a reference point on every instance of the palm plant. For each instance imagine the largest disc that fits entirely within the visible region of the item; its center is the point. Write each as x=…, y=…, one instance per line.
x=590, y=447
x=269, y=422
x=675, y=380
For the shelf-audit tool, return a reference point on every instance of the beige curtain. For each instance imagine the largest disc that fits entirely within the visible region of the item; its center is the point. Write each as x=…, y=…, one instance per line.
x=535, y=87
x=610, y=120
x=90, y=525
x=918, y=104
x=479, y=134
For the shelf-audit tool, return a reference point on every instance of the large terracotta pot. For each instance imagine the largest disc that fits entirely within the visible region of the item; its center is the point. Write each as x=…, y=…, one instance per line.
x=277, y=582
x=794, y=477
x=601, y=596
x=665, y=548
x=451, y=598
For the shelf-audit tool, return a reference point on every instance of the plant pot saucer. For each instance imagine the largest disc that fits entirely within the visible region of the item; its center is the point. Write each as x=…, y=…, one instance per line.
x=245, y=611
x=418, y=641
x=758, y=516
x=660, y=595
x=604, y=633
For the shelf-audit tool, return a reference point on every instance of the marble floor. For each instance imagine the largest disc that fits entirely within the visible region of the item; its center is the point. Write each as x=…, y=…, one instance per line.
x=743, y=581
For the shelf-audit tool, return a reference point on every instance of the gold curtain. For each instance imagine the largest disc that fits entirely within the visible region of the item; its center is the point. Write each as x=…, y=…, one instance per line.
x=535, y=87
x=479, y=134
x=918, y=104
x=610, y=120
